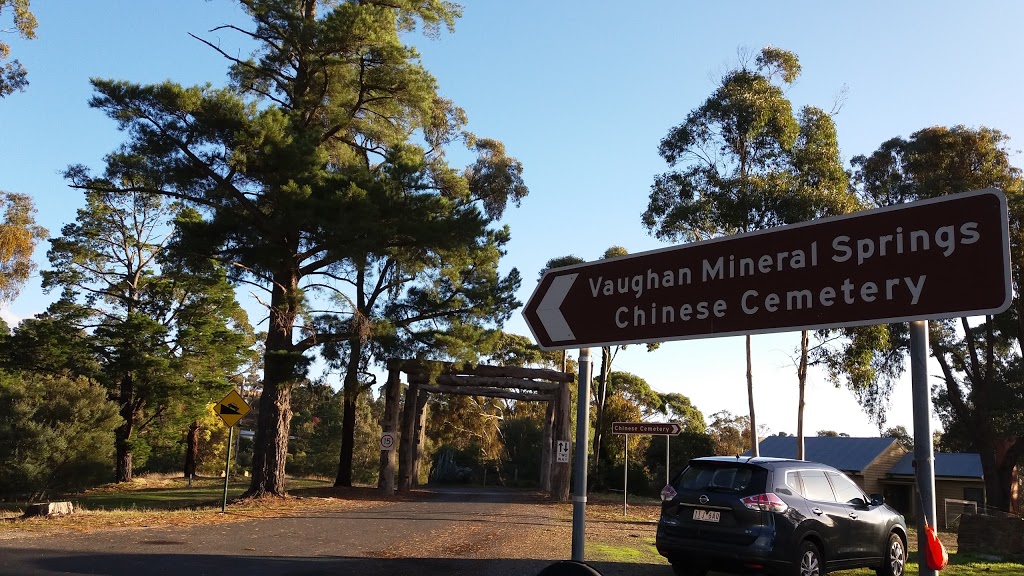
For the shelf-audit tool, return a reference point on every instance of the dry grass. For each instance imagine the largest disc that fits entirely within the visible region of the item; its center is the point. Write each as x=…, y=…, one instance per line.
x=85, y=520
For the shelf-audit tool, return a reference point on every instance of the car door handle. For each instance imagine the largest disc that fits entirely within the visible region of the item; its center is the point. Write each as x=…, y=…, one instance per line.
x=852, y=515
x=816, y=511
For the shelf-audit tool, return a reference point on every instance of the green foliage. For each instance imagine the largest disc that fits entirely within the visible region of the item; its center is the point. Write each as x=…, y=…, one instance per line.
x=618, y=408
x=55, y=434
x=901, y=435
x=19, y=234
x=52, y=343
x=688, y=444
x=639, y=479
x=317, y=430
x=13, y=74
x=304, y=175
x=743, y=161
x=979, y=399
x=870, y=359
x=521, y=351
x=523, y=439
x=467, y=423
x=731, y=433
x=164, y=335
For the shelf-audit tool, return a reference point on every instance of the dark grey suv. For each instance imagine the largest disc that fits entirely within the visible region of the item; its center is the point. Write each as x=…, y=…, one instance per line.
x=787, y=517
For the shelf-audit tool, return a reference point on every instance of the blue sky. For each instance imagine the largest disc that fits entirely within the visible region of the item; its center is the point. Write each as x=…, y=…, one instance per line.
x=581, y=93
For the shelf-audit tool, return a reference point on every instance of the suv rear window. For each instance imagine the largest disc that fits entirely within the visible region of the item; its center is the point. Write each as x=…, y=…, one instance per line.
x=737, y=478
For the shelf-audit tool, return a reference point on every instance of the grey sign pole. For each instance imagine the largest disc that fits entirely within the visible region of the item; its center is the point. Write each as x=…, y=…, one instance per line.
x=924, y=456
x=667, y=440
x=227, y=471
x=579, y=497
x=625, y=476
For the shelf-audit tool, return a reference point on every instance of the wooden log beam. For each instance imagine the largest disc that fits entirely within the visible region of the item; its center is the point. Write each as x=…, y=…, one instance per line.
x=407, y=443
x=487, y=392
x=392, y=390
x=496, y=382
x=448, y=368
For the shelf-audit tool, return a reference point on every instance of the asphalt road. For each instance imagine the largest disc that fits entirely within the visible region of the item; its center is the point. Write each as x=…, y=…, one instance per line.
x=460, y=532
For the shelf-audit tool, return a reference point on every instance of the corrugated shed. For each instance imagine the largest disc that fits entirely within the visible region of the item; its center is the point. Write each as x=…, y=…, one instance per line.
x=844, y=453
x=946, y=465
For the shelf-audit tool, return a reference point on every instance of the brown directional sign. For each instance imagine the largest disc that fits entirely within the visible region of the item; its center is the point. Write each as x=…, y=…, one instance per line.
x=937, y=258
x=649, y=428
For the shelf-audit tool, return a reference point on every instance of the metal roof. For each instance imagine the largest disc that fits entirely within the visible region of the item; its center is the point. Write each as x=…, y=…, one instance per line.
x=842, y=452
x=946, y=464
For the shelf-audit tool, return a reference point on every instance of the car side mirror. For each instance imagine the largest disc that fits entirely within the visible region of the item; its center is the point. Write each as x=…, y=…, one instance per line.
x=877, y=500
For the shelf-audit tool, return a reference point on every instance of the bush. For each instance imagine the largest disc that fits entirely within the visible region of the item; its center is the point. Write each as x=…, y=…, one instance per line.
x=56, y=434
x=639, y=481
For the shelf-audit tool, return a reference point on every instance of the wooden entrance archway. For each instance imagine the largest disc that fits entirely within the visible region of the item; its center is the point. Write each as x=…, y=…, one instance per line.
x=425, y=378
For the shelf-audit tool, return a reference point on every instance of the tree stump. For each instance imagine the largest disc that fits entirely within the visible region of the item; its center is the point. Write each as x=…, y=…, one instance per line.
x=49, y=509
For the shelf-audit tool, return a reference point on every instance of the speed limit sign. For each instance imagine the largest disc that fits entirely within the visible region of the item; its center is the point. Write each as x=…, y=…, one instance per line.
x=387, y=441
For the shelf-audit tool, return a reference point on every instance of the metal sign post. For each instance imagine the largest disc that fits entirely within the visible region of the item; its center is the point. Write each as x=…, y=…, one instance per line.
x=667, y=441
x=579, y=497
x=227, y=471
x=665, y=429
x=231, y=409
x=924, y=456
x=625, y=476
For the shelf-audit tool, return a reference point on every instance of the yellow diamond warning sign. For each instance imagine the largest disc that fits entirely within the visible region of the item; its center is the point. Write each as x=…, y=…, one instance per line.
x=232, y=408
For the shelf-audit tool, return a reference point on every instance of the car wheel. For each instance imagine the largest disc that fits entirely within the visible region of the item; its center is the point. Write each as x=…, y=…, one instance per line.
x=810, y=562
x=895, y=557
x=681, y=569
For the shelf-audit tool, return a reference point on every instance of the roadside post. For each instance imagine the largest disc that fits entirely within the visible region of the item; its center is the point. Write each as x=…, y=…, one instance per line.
x=579, y=494
x=666, y=429
x=231, y=409
x=924, y=453
x=900, y=263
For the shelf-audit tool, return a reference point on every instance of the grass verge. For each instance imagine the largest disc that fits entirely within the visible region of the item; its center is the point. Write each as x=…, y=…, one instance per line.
x=616, y=537
x=149, y=502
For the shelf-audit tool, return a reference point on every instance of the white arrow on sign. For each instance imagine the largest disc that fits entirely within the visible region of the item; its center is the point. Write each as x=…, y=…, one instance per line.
x=549, y=309
x=648, y=428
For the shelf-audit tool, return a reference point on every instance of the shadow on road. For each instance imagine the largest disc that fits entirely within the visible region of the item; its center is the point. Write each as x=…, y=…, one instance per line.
x=53, y=562
x=494, y=494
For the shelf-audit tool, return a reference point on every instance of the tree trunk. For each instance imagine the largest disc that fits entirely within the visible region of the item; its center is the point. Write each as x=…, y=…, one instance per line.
x=124, y=452
x=123, y=434
x=1001, y=478
x=750, y=398
x=348, y=426
x=192, y=449
x=801, y=374
x=602, y=394
x=270, y=446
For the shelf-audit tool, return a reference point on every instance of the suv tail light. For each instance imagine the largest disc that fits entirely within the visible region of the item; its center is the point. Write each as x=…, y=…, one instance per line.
x=668, y=493
x=767, y=502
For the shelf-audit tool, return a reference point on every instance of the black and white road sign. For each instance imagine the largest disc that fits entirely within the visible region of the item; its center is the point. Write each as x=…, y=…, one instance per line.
x=387, y=441
x=564, y=448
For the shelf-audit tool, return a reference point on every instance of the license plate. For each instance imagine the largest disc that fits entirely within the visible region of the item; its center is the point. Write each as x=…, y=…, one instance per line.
x=707, y=515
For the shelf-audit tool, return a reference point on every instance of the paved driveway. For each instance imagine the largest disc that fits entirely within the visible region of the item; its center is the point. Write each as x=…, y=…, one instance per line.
x=459, y=532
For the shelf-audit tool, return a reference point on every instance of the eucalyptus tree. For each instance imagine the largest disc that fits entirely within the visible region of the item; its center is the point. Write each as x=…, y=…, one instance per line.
x=980, y=398
x=19, y=235
x=13, y=75
x=743, y=161
x=304, y=167
x=420, y=302
x=599, y=395
x=163, y=333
